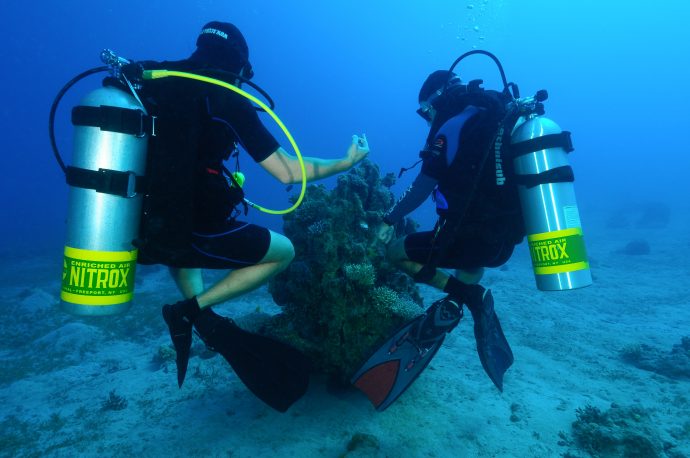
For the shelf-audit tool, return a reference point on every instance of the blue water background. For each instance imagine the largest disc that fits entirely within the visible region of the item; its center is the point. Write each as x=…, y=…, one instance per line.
x=616, y=73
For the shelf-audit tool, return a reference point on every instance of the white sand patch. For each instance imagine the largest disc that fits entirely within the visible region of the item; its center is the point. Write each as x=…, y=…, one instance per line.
x=566, y=347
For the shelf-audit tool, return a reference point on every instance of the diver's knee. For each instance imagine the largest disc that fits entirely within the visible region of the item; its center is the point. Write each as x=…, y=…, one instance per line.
x=289, y=252
x=280, y=250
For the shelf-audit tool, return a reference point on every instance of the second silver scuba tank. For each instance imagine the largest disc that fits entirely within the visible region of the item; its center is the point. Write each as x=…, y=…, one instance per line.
x=550, y=212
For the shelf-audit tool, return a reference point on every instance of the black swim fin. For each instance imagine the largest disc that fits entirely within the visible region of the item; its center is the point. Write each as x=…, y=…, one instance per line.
x=394, y=366
x=275, y=372
x=492, y=346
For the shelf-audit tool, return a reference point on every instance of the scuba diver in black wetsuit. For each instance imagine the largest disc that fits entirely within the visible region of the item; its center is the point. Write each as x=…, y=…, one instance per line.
x=189, y=211
x=479, y=225
x=491, y=223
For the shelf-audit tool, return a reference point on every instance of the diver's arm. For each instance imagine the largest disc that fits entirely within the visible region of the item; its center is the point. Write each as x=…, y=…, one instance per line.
x=286, y=168
x=415, y=195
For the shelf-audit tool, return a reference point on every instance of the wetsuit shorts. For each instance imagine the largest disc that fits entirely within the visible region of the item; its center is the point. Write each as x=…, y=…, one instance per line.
x=463, y=253
x=234, y=245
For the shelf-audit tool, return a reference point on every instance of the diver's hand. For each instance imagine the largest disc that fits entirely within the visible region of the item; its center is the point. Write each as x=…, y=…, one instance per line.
x=385, y=233
x=358, y=150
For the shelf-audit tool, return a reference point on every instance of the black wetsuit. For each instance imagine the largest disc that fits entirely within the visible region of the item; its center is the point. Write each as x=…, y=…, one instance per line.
x=188, y=208
x=491, y=225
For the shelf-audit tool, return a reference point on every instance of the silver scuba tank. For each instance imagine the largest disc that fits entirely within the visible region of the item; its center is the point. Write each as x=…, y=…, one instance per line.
x=547, y=197
x=109, y=156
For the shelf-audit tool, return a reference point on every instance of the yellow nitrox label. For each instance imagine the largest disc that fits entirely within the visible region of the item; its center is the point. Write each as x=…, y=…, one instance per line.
x=98, y=277
x=558, y=251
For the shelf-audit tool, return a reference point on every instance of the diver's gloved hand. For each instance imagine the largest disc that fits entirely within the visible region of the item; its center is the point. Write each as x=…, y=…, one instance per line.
x=133, y=72
x=358, y=150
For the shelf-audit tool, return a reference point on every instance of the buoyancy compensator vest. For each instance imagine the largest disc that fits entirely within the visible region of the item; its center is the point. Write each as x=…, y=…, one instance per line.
x=479, y=187
x=183, y=188
x=188, y=187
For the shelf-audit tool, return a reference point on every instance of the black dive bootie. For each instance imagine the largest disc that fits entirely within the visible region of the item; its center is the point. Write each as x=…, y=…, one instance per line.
x=179, y=318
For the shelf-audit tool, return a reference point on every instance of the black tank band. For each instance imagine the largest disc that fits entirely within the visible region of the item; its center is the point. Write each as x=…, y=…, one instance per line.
x=115, y=119
x=561, y=140
x=562, y=174
x=124, y=184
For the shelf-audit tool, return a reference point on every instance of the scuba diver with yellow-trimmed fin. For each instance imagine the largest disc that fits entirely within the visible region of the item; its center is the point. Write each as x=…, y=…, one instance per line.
x=194, y=116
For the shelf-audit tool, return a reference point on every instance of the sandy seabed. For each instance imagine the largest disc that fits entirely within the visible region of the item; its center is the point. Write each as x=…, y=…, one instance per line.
x=74, y=386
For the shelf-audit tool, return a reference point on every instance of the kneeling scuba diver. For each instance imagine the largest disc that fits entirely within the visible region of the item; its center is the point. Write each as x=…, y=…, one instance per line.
x=480, y=207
